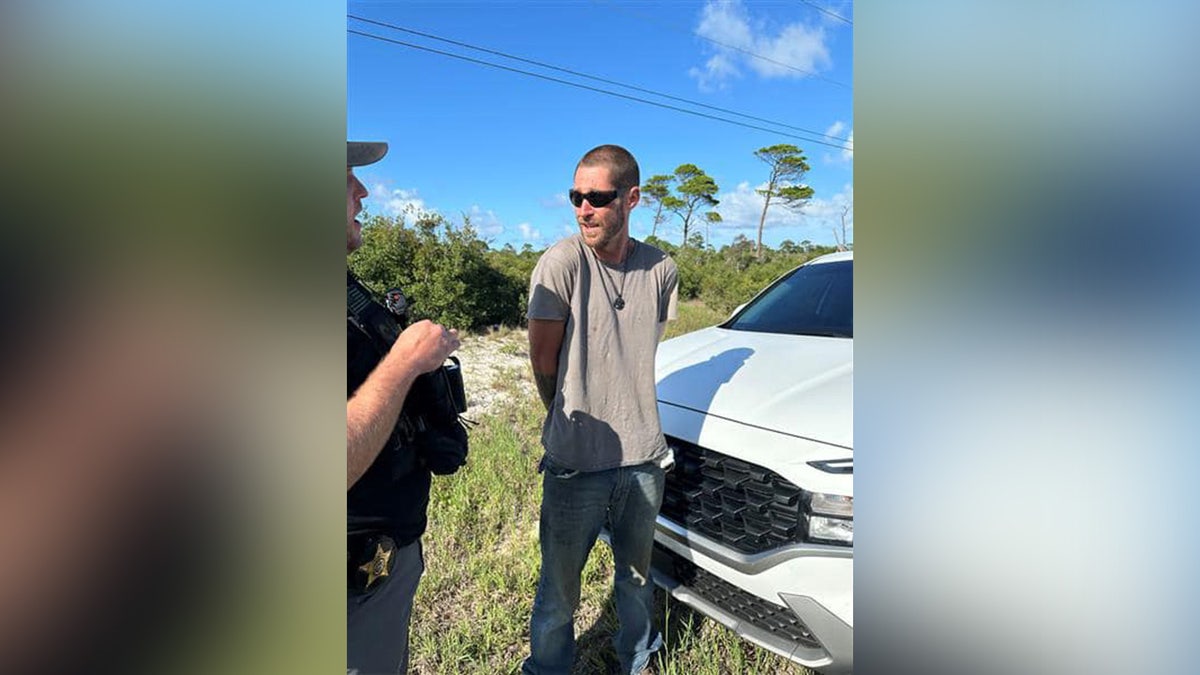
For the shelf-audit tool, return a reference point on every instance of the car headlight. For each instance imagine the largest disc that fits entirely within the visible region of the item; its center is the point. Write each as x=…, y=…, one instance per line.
x=831, y=518
x=823, y=504
x=831, y=529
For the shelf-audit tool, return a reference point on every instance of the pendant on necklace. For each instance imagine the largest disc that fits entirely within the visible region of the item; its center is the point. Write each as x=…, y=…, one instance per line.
x=619, y=303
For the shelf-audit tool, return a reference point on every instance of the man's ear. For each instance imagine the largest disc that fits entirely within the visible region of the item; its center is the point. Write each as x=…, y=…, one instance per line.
x=635, y=196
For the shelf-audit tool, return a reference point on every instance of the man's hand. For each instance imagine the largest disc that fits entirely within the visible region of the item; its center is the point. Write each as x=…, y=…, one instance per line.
x=372, y=411
x=424, y=345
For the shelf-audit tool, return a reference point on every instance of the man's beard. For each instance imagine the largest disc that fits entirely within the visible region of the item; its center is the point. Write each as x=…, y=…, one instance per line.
x=607, y=230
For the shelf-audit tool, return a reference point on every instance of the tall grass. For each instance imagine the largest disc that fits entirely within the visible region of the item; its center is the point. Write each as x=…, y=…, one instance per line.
x=481, y=552
x=693, y=315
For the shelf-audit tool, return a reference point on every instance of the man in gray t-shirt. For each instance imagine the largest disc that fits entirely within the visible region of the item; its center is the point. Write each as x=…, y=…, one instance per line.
x=598, y=304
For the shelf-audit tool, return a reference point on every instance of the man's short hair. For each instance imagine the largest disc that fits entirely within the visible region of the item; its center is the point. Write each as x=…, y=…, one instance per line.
x=622, y=167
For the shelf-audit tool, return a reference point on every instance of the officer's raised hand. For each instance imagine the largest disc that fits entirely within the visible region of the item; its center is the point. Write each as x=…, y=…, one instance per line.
x=372, y=411
x=425, y=345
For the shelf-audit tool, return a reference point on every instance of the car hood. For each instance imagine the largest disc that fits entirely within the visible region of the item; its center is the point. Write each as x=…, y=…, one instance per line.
x=795, y=384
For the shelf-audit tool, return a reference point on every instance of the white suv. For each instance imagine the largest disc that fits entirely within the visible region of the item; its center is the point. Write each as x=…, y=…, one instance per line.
x=756, y=528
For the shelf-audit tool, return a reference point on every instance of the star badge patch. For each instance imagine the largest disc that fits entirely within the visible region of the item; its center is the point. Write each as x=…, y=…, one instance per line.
x=378, y=566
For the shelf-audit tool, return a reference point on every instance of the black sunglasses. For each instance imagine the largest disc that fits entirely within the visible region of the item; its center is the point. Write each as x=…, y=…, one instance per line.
x=595, y=198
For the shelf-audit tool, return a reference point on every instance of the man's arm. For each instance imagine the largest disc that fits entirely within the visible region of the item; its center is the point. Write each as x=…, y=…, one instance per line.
x=373, y=410
x=545, y=340
x=672, y=309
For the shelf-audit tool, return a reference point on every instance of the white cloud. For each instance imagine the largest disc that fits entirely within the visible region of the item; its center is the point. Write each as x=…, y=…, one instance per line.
x=557, y=201
x=716, y=72
x=725, y=22
x=832, y=207
x=410, y=205
x=797, y=50
x=741, y=208
x=798, y=46
x=847, y=155
x=529, y=233
x=399, y=202
x=486, y=223
x=826, y=214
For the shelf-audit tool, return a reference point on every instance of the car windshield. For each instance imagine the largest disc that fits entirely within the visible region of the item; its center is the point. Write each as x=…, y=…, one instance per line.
x=811, y=300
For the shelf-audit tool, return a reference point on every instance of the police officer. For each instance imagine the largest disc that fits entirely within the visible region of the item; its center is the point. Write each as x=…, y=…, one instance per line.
x=387, y=488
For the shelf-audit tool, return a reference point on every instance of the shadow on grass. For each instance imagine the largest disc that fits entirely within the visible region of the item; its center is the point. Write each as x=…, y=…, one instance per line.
x=594, y=653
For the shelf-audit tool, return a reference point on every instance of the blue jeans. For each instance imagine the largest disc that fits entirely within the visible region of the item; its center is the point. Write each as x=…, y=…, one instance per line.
x=575, y=505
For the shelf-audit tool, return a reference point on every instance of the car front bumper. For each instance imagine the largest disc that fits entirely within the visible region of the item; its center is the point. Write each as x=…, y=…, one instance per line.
x=795, y=602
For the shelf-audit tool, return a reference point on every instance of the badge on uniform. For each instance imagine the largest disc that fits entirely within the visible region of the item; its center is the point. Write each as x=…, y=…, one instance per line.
x=378, y=566
x=374, y=562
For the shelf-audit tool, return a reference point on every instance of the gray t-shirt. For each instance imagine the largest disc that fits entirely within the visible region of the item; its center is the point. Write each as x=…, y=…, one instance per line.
x=605, y=413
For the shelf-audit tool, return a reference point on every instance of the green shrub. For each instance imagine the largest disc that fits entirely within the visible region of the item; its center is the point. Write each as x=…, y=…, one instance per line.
x=443, y=270
x=451, y=276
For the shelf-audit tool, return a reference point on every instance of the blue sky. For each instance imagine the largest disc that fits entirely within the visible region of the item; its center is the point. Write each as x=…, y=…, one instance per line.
x=501, y=147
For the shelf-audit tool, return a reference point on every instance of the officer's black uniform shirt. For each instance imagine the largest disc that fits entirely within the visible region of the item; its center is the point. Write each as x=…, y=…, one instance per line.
x=392, y=496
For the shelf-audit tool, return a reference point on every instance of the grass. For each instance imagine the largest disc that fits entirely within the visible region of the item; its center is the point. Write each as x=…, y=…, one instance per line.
x=481, y=553
x=693, y=315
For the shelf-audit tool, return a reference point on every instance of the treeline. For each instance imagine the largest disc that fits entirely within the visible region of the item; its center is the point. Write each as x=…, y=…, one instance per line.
x=450, y=275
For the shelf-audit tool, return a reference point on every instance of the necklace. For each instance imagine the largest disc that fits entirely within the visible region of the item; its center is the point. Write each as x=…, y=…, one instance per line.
x=618, y=303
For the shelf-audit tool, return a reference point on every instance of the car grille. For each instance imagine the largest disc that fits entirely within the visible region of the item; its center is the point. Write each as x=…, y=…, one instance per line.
x=739, y=504
x=767, y=616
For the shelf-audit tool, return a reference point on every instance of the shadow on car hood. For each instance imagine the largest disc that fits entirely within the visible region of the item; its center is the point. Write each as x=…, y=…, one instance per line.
x=794, y=384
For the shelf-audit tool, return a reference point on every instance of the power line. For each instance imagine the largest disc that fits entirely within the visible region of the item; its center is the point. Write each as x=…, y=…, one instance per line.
x=550, y=66
x=736, y=48
x=589, y=88
x=823, y=10
x=592, y=77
